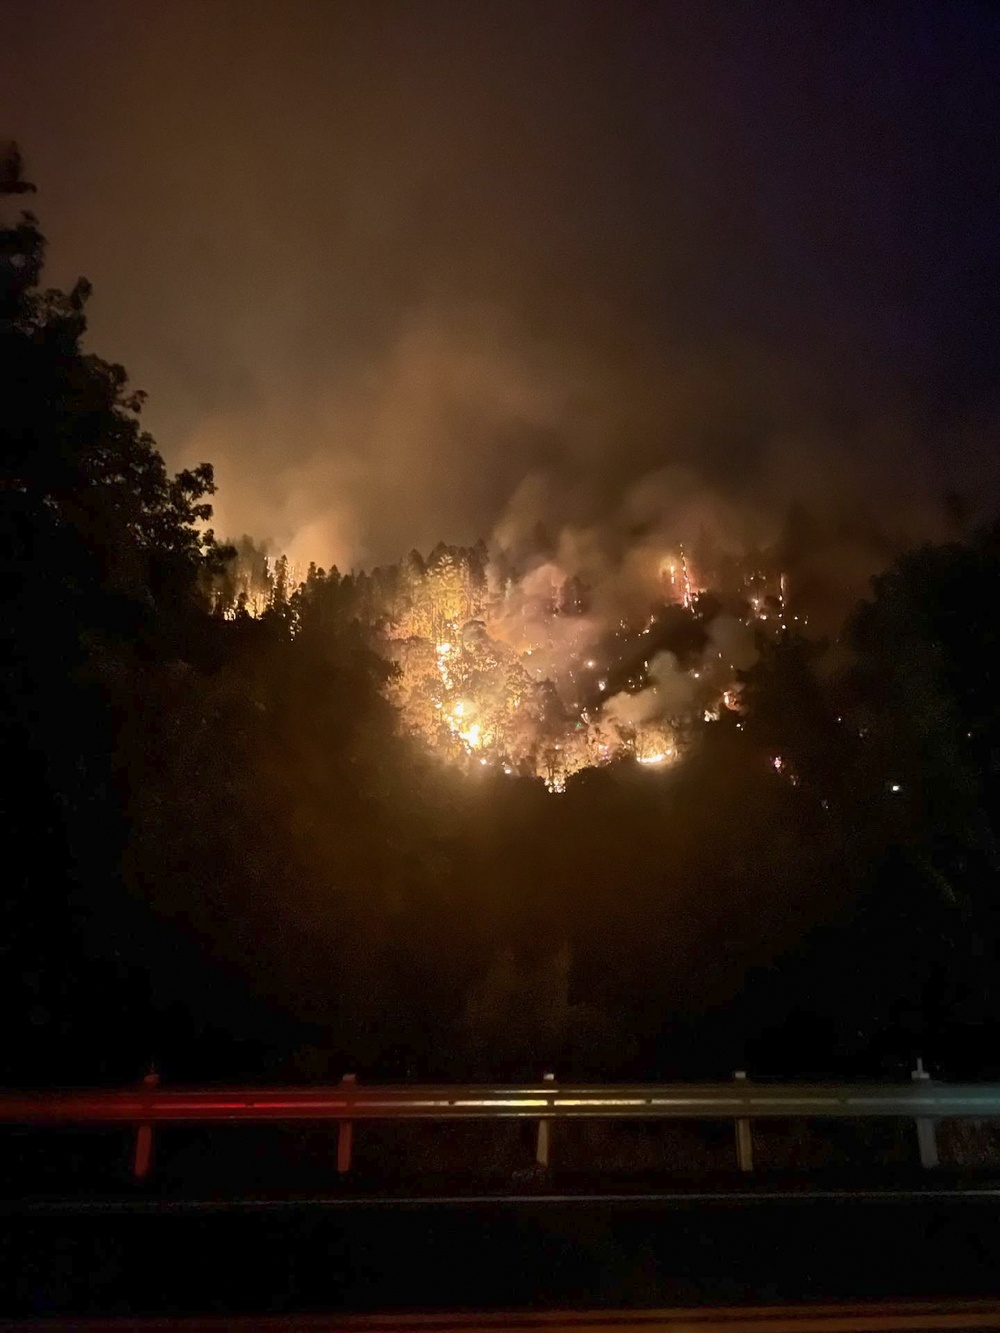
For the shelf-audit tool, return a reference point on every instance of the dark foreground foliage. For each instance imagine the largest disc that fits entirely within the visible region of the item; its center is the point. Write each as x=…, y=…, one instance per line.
x=222, y=856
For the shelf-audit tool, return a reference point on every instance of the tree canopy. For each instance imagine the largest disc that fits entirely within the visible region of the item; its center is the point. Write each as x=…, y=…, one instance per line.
x=226, y=854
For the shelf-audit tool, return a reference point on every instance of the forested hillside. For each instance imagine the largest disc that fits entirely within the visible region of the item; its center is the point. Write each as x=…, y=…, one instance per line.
x=459, y=816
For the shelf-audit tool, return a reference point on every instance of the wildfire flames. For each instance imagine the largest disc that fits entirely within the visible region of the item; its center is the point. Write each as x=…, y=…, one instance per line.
x=517, y=672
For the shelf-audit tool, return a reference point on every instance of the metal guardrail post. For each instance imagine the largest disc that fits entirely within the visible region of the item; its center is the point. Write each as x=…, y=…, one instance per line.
x=926, y=1127
x=345, y=1135
x=544, y=1127
x=142, y=1156
x=744, y=1138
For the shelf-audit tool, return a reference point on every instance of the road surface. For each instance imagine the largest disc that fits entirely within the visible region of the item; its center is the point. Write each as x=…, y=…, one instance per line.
x=908, y=1317
x=279, y=1257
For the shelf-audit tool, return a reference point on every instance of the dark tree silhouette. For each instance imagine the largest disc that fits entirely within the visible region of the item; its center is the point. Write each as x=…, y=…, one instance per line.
x=11, y=167
x=224, y=854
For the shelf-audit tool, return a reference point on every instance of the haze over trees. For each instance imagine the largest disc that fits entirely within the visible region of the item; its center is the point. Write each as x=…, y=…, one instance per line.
x=224, y=853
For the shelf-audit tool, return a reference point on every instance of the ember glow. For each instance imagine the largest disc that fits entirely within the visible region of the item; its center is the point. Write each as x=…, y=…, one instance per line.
x=518, y=671
x=512, y=680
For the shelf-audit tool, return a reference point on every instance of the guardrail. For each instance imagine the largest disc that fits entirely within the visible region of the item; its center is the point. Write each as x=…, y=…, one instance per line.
x=349, y=1102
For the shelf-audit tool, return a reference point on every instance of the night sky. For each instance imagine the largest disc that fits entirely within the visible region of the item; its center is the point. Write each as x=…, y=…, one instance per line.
x=389, y=265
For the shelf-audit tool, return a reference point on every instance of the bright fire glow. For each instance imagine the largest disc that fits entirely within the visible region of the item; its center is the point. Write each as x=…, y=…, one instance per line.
x=516, y=674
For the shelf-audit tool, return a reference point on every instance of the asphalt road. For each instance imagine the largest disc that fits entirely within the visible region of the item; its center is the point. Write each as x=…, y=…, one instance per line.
x=270, y=1257
x=908, y=1317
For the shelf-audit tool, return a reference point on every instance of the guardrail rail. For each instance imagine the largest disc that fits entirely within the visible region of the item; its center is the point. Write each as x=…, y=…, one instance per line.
x=349, y=1102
